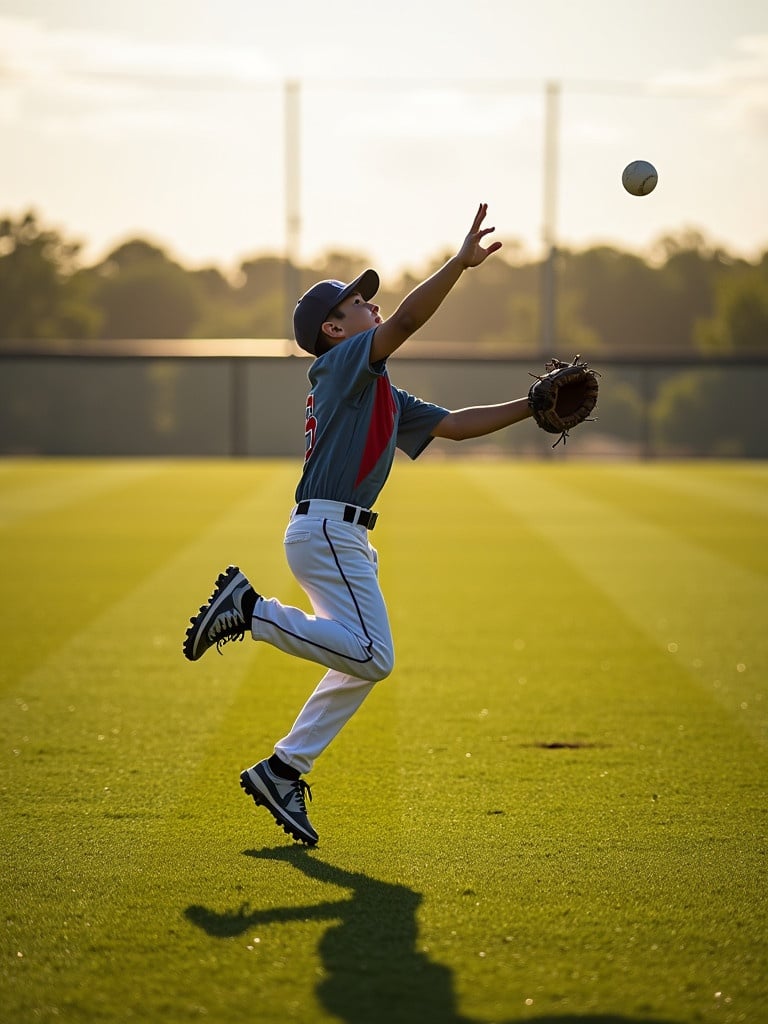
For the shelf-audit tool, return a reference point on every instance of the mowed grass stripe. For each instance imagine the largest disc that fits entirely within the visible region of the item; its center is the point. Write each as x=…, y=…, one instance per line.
x=719, y=508
x=103, y=753
x=117, y=698
x=398, y=793
x=29, y=488
x=733, y=483
x=69, y=562
x=704, y=610
x=133, y=645
x=534, y=653
x=509, y=629
x=445, y=887
x=145, y=786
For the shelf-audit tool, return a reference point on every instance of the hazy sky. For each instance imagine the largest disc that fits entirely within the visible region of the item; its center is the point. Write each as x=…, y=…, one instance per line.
x=165, y=118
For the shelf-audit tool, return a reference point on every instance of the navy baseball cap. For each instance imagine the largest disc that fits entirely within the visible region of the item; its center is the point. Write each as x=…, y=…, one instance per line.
x=313, y=307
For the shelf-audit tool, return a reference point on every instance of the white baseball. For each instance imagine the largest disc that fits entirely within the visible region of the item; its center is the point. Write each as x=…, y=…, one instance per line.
x=639, y=178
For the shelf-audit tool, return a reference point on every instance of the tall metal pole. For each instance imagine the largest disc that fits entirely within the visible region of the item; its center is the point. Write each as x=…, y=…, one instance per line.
x=548, y=318
x=292, y=200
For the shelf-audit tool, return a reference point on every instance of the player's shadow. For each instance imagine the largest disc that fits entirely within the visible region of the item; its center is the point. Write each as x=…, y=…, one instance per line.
x=373, y=971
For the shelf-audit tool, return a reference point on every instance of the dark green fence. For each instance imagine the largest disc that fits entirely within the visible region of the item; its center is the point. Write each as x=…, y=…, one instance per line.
x=246, y=398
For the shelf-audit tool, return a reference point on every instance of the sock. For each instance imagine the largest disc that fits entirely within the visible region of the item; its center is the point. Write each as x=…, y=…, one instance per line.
x=281, y=769
x=248, y=604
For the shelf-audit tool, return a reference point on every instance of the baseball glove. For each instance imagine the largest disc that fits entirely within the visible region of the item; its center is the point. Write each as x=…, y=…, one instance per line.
x=563, y=397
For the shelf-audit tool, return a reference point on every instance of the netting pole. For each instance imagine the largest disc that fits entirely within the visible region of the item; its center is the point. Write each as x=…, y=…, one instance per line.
x=292, y=173
x=548, y=316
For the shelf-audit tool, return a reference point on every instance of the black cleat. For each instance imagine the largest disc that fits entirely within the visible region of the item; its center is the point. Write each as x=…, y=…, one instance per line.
x=226, y=616
x=283, y=798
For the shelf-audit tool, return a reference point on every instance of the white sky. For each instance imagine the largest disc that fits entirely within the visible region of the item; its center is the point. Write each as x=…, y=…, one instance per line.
x=164, y=118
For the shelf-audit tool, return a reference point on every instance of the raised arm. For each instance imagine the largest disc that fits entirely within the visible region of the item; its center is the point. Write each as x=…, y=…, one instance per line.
x=419, y=305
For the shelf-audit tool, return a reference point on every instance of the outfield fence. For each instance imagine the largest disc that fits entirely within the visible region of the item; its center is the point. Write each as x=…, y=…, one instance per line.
x=246, y=398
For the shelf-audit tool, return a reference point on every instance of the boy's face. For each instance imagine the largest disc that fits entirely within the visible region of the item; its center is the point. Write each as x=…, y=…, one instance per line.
x=359, y=316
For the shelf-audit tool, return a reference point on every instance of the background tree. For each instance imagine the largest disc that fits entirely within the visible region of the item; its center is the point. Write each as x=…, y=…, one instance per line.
x=615, y=296
x=739, y=323
x=688, y=267
x=498, y=308
x=142, y=293
x=686, y=297
x=42, y=292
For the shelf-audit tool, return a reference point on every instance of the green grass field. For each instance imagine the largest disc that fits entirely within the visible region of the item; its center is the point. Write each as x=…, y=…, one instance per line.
x=554, y=810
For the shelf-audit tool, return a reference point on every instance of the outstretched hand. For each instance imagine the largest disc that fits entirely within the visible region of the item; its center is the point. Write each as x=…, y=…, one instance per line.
x=471, y=253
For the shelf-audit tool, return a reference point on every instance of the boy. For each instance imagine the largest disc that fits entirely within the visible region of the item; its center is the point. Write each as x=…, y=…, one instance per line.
x=355, y=418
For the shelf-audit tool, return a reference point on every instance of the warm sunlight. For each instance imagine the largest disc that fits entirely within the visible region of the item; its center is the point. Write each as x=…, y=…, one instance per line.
x=171, y=123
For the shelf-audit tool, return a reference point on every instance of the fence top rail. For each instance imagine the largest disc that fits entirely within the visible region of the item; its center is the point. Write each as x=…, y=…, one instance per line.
x=110, y=348
x=281, y=348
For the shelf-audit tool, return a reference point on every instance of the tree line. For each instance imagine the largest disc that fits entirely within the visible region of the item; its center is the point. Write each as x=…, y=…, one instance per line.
x=688, y=297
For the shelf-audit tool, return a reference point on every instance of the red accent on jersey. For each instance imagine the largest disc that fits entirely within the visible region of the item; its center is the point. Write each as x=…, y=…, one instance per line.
x=310, y=429
x=380, y=428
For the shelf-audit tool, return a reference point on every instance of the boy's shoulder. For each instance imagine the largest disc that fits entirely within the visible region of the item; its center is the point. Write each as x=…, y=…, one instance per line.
x=349, y=356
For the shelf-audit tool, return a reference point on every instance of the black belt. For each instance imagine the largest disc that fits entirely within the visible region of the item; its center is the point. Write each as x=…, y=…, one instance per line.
x=351, y=514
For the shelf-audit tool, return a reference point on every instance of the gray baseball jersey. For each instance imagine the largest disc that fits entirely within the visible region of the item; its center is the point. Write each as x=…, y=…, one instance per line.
x=355, y=419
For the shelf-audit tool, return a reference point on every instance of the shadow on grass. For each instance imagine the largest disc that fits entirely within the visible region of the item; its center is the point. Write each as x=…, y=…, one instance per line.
x=373, y=971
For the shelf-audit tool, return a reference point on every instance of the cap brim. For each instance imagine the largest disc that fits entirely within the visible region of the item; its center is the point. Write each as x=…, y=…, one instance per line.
x=367, y=284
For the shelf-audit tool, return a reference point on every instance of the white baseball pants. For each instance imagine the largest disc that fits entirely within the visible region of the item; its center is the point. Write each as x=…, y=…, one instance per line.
x=349, y=632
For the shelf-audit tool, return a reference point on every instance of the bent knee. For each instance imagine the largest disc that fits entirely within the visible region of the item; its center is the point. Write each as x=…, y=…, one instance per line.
x=381, y=664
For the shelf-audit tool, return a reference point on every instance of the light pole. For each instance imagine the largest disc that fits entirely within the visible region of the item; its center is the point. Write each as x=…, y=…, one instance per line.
x=292, y=199
x=548, y=318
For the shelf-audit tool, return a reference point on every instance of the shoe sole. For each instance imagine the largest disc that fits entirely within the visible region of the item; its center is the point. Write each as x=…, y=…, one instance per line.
x=260, y=800
x=223, y=582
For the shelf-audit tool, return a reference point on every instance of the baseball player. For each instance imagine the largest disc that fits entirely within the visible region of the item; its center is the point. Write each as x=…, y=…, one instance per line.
x=355, y=419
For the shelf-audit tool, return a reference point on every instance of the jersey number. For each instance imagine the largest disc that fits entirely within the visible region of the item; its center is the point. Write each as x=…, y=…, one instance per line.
x=310, y=430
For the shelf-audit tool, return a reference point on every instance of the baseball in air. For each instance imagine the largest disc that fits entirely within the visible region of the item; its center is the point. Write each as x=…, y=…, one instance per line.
x=639, y=178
